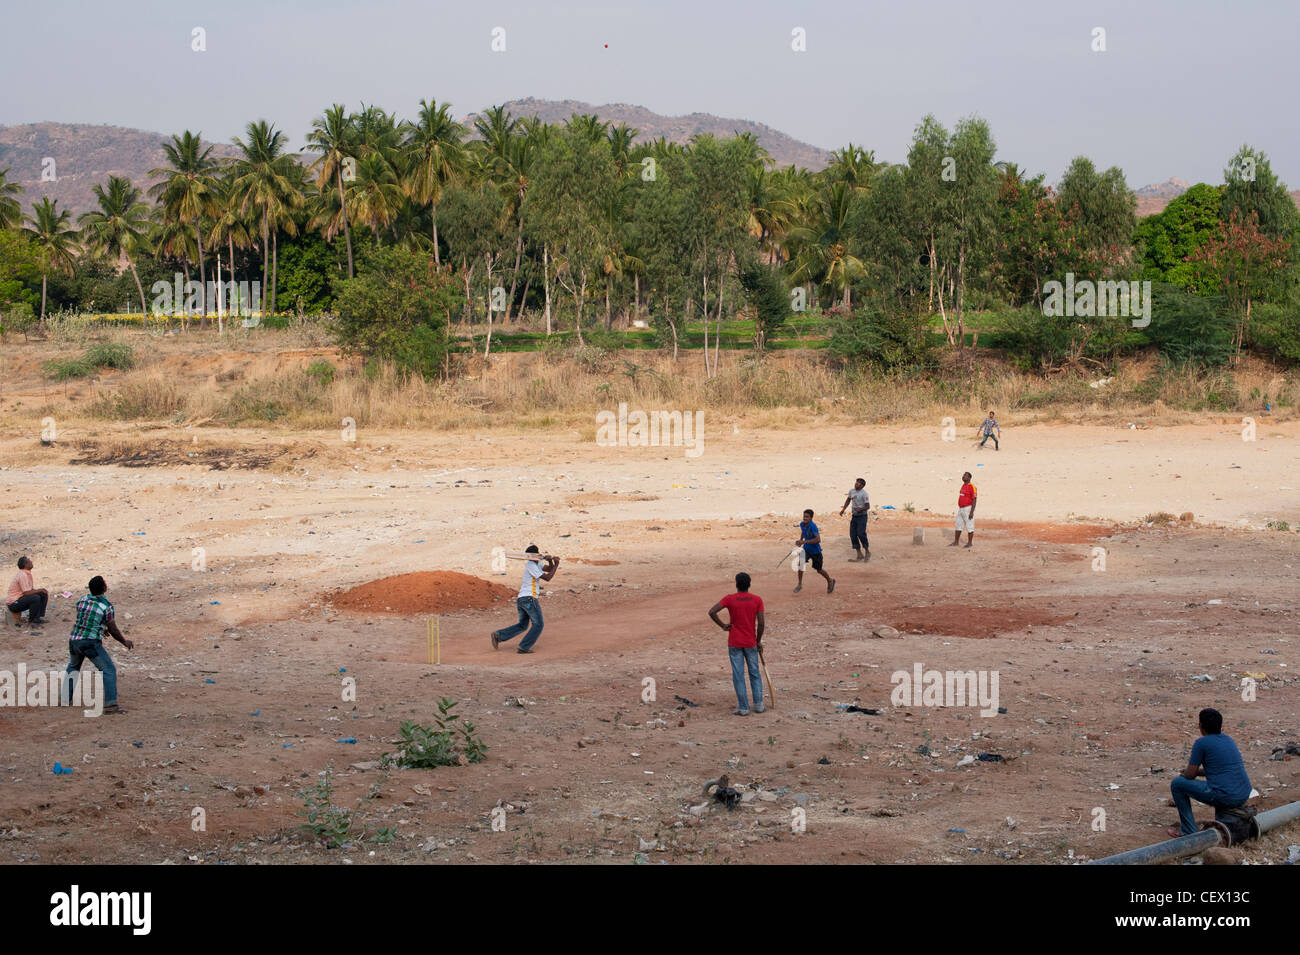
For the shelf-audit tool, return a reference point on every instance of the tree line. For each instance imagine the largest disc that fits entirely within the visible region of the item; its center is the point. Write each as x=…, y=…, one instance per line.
x=401, y=227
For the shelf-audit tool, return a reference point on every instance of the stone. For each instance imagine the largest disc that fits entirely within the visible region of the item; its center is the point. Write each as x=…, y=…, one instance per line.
x=885, y=633
x=1219, y=856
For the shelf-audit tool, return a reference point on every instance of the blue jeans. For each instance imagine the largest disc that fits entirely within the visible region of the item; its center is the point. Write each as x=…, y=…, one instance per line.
x=530, y=619
x=858, y=531
x=1184, y=790
x=740, y=658
x=92, y=650
x=995, y=440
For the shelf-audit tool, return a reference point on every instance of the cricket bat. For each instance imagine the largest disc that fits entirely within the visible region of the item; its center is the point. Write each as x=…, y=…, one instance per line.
x=522, y=556
x=767, y=680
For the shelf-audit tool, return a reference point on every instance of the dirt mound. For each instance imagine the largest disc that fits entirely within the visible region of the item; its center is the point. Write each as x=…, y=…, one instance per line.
x=423, y=592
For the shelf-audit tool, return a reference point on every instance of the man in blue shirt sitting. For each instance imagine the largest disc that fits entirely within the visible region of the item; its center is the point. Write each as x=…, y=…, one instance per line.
x=1216, y=757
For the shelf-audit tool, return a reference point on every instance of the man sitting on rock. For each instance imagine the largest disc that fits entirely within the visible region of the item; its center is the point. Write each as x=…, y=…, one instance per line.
x=25, y=595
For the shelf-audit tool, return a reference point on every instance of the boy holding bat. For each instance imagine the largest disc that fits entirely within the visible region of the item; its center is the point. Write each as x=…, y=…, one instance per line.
x=530, y=610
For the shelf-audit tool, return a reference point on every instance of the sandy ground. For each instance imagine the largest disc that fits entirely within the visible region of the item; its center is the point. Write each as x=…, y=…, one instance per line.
x=234, y=689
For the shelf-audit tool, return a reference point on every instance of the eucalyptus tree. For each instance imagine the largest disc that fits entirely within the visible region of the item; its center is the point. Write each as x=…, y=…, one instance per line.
x=573, y=179
x=119, y=228
x=55, y=239
x=186, y=190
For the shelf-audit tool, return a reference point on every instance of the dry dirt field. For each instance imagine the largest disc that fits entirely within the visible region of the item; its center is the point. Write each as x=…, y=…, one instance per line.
x=234, y=687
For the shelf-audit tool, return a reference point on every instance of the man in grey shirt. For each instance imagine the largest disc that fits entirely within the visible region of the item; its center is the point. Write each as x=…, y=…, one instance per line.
x=858, y=520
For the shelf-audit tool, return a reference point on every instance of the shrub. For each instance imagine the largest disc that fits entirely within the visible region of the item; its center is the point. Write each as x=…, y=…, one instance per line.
x=451, y=742
x=65, y=369
x=886, y=340
x=321, y=371
x=1160, y=519
x=111, y=355
x=328, y=824
x=394, y=310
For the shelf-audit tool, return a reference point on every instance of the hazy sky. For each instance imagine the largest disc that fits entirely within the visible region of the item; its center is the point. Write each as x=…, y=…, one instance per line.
x=1180, y=86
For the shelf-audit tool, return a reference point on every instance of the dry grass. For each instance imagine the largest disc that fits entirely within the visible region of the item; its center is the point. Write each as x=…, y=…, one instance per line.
x=259, y=377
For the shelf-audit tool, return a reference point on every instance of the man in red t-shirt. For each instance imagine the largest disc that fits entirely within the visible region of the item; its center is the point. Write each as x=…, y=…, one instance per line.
x=966, y=499
x=744, y=637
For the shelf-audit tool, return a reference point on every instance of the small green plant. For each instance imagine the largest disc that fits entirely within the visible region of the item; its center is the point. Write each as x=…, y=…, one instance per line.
x=110, y=355
x=321, y=371
x=384, y=835
x=328, y=824
x=450, y=742
x=1278, y=526
x=909, y=507
x=1160, y=518
x=65, y=369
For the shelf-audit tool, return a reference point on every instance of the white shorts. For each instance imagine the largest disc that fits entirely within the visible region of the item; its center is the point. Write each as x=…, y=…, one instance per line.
x=964, y=520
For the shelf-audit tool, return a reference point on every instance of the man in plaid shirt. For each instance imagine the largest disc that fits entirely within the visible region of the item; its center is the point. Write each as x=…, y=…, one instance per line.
x=94, y=616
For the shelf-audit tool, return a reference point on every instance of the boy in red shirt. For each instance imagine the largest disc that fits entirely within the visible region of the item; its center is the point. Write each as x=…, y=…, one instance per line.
x=744, y=637
x=966, y=498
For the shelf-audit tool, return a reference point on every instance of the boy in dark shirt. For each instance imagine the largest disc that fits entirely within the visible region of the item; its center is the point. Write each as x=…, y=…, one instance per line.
x=1216, y=757
x=744, y=641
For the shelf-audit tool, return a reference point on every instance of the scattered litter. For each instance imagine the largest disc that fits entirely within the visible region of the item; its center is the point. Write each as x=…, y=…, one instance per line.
x=823, y=761
x=255, y=713
x=990, y=758
x=682, y=699
x=888, y=507
x=1113, y=786
x=1011, y=823
x=1202, y=678
x=346, y=739
x=1292, y=855
x=287, y=745
x=957, y=830
x=854, y=708
x=209, y=680
x=213, y=603
x=61, y=770
x=343, y=669
x=1002, y=709
x=965, y=761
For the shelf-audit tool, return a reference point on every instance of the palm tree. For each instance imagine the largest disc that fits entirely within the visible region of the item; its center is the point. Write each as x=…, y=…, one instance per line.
x=119, y=228
x=333, y=136
x=267, y=185
x=55, y=240
x=620, y=145
x=377, y=194
x=824, y=255
x=435, y=152
x=11, y=212
x=229, y=227
x=186, y=190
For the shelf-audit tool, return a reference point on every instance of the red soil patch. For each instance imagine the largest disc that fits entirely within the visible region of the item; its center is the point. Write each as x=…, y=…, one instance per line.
x=423, y=592
x=959, y=620
x=1053, y=533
